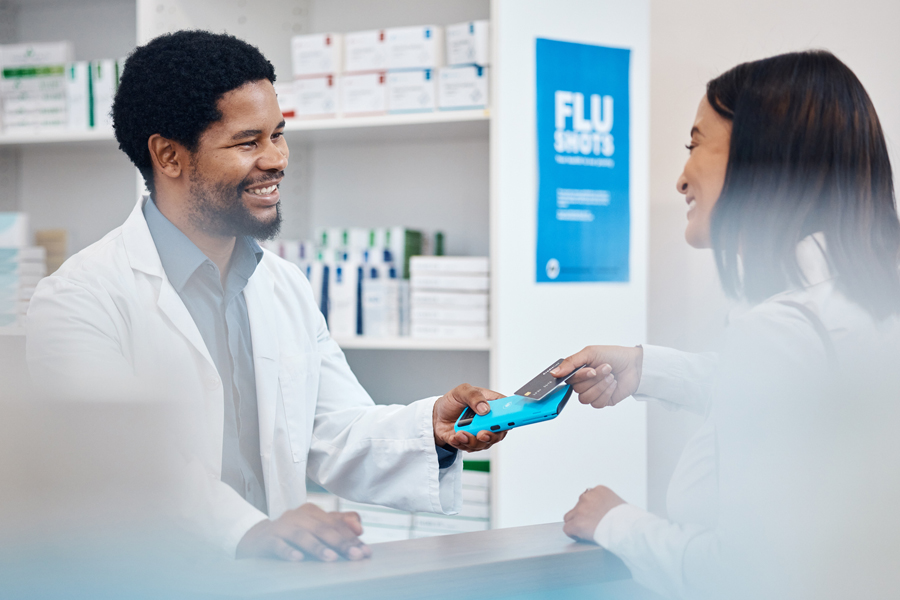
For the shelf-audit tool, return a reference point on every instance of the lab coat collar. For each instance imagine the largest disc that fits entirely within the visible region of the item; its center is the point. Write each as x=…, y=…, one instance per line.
x=144, y=257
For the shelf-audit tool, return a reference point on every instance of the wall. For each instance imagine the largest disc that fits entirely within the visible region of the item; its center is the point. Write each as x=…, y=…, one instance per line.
x=691, y=42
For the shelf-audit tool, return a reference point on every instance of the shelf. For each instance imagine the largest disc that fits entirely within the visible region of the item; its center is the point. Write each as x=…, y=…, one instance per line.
x=408, y=343
x=444, y=125
x=56, y=137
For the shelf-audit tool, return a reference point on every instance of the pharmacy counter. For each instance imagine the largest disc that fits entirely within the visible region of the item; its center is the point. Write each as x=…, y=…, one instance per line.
x=522, y=562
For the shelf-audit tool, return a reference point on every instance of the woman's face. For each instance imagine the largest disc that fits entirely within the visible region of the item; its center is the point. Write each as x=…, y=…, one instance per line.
x=704, y=172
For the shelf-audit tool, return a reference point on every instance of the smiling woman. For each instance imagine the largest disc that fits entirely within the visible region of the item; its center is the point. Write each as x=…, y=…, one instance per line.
x=789, y=182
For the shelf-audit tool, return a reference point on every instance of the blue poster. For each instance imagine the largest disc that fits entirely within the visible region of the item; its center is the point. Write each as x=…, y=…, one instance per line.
x=583, y=219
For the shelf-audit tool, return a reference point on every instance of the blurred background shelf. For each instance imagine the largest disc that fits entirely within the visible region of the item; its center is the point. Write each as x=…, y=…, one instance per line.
x=456, y=124
x=407, y=343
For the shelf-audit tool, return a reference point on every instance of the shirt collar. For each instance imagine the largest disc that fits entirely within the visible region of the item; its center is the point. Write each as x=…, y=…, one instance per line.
x=180, y=257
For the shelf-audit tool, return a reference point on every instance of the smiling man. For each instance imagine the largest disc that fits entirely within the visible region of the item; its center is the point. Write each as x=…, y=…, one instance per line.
x=181, y=303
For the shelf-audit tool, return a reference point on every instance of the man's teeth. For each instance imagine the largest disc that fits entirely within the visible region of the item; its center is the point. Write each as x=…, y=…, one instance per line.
x=263, y=191
x=692, y=204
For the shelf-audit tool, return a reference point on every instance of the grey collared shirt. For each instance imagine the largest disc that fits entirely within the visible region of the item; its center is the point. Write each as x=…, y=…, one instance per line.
x=222, y=318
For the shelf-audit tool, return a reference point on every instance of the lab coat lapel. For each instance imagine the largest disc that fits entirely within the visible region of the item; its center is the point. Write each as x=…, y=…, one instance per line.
x=260, y=296
x=143, y=257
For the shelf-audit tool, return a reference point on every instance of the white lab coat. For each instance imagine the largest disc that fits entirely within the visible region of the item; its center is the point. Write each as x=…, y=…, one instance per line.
x=108, y=324
x=789, y=488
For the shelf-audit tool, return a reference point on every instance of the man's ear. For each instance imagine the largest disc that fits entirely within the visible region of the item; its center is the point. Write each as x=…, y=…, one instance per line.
x=169, y=157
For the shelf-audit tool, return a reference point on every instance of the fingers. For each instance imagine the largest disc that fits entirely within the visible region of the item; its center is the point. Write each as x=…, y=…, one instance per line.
x=490, y=394
x=281, y=549
x=473, y=397
x=310, y=545
x=585, y=356
x=590, y=392
x=464, y=440
x=353, y=521
x=585, y=378
x=606, y=398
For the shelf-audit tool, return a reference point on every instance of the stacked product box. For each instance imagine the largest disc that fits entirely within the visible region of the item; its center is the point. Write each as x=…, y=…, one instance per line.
x=449, y=297
x=413, y=55
x=33, y=86
x=464, y=82
x=359, y=276
x=363, y=87
x=317, y=62
x=21, y=267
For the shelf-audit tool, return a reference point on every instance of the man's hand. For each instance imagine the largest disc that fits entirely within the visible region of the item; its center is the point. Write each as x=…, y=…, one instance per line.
x=612, y=373
x=452, y=404
x=306, y=532
x=581, y=522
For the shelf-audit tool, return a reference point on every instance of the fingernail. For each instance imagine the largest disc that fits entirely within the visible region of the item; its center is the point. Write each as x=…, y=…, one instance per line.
x=609, y=378
x=355, y=553
x=329, y=554
x=484, y=437
x=554, y=371
x=296, y=555
x=591, y=373
x=606, y=369
x=613, y=384
x=482, y=408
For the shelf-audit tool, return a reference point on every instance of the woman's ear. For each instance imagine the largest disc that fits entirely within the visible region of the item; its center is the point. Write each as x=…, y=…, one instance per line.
x=168, y=157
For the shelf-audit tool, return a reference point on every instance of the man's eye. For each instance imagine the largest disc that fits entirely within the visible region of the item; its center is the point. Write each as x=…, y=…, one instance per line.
x=280, y=134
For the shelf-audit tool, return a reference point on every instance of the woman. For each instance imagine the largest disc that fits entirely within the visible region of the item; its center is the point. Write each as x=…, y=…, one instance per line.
x=790, y=486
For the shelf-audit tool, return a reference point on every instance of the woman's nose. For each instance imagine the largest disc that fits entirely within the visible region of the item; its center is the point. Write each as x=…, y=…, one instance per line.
x=681, y=184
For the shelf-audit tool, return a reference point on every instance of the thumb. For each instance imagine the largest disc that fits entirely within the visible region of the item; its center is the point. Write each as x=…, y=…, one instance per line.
x=570, y=364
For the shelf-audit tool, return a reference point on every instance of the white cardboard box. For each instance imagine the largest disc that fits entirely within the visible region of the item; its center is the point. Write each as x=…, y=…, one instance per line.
x=420, y=47
x=365, y=51
x=78, y=95
x=449, y=316
x=441, y=265
x=469, y=43
x=457, y=283
x=104, y=80
x=287, y=100
x=446, y=332
x=35, y=54
x=426, y=299
x=315, y=97
x=463, y=87
x=411, y=91
x=363, y=94
x=317, y=54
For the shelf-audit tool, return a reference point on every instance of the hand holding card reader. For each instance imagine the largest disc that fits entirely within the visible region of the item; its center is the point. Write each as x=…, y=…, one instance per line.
x=541, y=399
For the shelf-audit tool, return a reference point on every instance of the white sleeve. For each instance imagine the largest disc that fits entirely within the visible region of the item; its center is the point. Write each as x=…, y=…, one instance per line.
x=653, y=548
x=678, y=380
x=378, y=454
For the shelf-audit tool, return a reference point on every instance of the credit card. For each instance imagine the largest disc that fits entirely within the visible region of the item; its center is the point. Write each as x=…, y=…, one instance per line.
x=545, y=383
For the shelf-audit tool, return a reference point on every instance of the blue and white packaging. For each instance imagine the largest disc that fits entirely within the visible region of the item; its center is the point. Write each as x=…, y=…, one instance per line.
x=411, y=91
x=463, y=87
x=380, y=301
x=14, y=231
x=420, y=47
x=363, y=94
x=365, y=51
x=344, y=317
x=469, y=43
x=317, y=54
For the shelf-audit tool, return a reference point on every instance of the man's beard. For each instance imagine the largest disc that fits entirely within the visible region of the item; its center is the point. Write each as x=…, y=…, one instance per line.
x=219, y=210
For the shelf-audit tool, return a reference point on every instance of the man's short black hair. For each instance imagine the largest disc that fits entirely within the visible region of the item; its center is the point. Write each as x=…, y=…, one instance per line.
x=171, y=86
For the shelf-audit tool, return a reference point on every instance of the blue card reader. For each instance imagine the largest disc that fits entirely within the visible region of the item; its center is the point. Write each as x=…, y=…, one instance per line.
x=514, y=411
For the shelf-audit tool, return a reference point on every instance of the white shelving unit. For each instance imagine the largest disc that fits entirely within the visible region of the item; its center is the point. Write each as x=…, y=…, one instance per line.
x=471, y=174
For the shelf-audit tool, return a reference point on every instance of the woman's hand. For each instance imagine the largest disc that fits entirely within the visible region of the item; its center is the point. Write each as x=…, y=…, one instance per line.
x=581, y=522
x=612, y=373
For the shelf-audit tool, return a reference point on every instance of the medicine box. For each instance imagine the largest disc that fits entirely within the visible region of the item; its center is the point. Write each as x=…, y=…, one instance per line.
x=315, y=97
x=13, y=229
x=104, y=81
x=317, y=54
x=420, y=47
x=411, y=91
x=78, y=96
x=287, y=102
x=469, y=43
x=424, y=265
x=463, y=87
x=38, y=54
x=365, y=51
x=363, y=94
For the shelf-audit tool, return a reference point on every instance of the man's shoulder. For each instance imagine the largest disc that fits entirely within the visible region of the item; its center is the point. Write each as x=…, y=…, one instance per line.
x=105, y=256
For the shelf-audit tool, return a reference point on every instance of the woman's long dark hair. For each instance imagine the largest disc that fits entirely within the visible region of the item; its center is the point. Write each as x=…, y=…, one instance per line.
x=807, y=154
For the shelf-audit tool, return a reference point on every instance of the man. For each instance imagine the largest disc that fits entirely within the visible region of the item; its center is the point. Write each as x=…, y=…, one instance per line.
x=180, y=302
